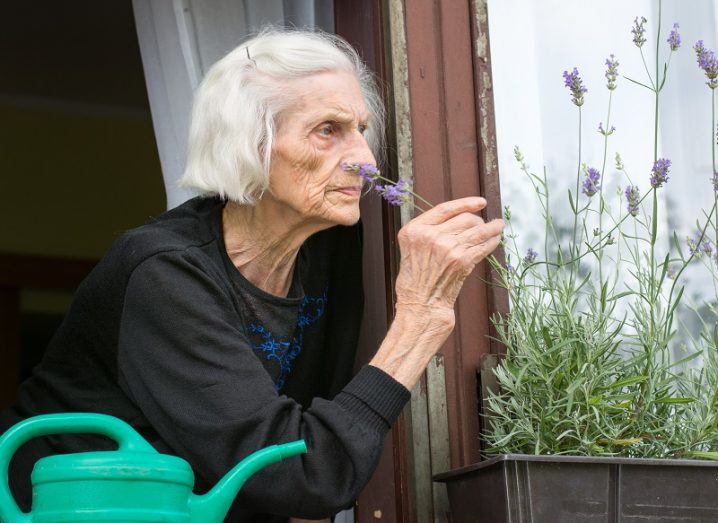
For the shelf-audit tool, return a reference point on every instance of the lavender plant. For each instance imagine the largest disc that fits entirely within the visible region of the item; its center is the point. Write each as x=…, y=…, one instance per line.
x=588, y=367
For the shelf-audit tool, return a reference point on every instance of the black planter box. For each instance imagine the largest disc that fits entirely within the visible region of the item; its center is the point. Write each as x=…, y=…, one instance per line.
x=517, y=488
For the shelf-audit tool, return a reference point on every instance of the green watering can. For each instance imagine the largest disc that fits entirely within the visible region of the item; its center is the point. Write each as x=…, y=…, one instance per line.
x=130, y=485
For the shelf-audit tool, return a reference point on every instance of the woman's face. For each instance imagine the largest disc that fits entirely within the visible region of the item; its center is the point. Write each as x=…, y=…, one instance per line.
x=325, y=129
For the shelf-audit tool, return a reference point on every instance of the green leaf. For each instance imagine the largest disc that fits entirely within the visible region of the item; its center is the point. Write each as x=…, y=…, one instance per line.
x=638, y=83
x=620, y=295
x=675, y=401
x=665, y=269
x=677, y=300
x=570, y=201
x=604, y=290
x=665, y=68
x=546, y=337
x=702, y=455
x=625, y=382
x=677, y=245
x=626, y=441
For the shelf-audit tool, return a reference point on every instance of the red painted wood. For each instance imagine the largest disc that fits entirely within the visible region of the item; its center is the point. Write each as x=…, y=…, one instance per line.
x=448, y=88
x=446, y=166
x=386, y=496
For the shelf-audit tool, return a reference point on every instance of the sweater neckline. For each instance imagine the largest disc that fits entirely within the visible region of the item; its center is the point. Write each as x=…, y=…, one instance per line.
x=296, y=290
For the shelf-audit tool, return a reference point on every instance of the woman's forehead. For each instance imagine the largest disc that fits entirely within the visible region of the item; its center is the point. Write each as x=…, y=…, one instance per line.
x=335, y=95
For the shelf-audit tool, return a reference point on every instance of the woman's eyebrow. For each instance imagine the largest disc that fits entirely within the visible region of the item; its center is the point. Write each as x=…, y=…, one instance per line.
x=340, y=117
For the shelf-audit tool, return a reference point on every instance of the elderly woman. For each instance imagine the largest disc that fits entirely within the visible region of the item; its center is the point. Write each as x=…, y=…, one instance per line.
x=230, y=322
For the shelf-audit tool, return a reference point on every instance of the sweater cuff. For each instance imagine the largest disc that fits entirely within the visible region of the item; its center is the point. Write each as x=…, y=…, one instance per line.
x=374, y=398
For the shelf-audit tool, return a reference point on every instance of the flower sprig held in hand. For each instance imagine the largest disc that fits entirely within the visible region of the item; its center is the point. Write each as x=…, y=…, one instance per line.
x=395, y=193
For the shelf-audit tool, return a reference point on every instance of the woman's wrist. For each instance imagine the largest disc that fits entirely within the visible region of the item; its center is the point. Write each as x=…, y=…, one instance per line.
x=412, y=340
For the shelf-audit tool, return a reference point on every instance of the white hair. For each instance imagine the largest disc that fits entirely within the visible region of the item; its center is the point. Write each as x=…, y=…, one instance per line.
x=237, y=105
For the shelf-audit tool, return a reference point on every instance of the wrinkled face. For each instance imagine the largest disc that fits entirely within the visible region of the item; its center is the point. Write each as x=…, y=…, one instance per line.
x=314, y=137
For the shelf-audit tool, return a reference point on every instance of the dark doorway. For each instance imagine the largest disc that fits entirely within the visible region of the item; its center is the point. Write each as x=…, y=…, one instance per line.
x=78, y=161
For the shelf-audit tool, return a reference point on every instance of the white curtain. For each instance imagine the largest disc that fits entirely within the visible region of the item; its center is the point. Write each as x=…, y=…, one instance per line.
x=181, y=39
x=534, y=41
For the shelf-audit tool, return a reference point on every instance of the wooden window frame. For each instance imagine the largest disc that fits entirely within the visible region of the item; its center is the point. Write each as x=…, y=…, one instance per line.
x=447, y=85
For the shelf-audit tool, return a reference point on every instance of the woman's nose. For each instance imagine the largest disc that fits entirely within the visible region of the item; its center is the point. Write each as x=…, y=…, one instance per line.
x=359, y=150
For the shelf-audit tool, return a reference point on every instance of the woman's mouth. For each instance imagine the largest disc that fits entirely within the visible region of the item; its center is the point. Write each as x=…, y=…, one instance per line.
x=353, y=191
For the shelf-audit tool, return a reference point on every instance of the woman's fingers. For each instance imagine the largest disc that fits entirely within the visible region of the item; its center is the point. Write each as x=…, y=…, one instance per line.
x=478, y=252
x=459, y=223
x=447, y=210
x=481, y=232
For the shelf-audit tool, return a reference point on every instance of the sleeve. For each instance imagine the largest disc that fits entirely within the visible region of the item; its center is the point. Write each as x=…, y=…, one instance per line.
x=186, y=363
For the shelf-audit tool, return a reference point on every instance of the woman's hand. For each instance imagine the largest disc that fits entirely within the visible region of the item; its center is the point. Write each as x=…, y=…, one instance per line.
x=439, y=249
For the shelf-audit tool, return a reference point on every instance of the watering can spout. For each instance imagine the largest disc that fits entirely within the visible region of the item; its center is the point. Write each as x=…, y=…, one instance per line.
x=214, y=505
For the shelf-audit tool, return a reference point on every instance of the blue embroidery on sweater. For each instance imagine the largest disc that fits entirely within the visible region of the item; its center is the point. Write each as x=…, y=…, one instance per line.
x=284, y=352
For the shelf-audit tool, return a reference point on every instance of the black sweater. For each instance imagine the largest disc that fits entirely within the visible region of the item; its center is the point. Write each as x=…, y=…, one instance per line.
x=166, y=334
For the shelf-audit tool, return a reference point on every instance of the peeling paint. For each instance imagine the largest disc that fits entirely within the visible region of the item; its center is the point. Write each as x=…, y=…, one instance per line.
x=416, y=413
x=486, y=80
x=439, y=430
x=485, y=88
x=402, y=108
x=482, y=41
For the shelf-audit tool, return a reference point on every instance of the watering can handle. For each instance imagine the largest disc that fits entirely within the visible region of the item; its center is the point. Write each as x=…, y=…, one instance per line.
x=77, y=423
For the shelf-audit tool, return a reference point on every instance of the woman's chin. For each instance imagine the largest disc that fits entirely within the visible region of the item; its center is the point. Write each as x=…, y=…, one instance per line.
x=346, y=216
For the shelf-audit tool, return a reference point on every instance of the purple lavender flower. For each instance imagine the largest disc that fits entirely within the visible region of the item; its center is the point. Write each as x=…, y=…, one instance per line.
x=396, y=194
x=605, y=132
x=707, y=247
x=530, y=256
x=611, y=72
x=509, y=268
x=692, y=244
x=674, y=39
x=715, y=181
x=366, y=170
x=671, y=272
x=708, y=62
x=639, y=32
x=697, y=247
x=634, y=197
x=592, y=182
x=573, y=81
x=659, y=173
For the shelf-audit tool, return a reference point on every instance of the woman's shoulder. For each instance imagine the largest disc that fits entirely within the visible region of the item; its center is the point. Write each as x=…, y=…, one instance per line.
x=186, y=231
x=187, y=225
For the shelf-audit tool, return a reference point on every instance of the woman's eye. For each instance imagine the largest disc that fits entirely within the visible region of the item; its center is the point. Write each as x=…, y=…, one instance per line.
x=327, y=130
x=362, y=128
